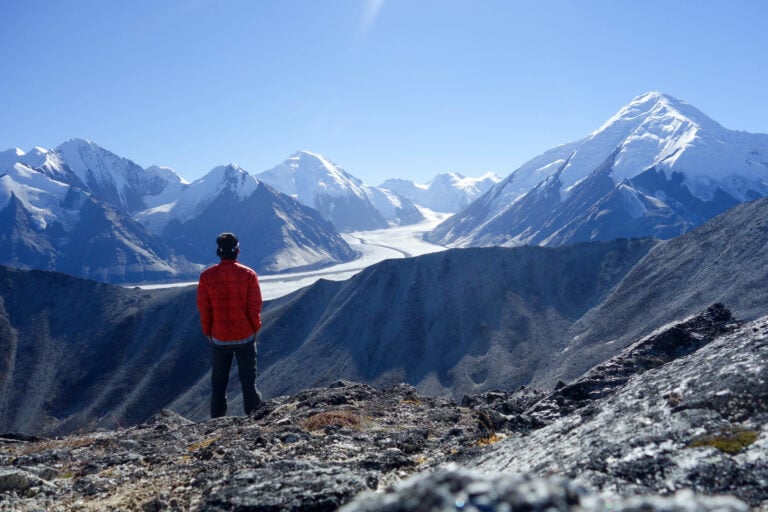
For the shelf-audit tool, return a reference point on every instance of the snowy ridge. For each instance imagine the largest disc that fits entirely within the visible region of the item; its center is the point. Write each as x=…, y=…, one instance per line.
x=109, y=177
x=41, y=196
x=175, y=186
x=91, y=162
x=658, y=167
x=657, y=130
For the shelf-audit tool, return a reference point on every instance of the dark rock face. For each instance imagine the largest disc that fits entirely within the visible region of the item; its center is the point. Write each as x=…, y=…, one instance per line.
x=656, y=350
x=302, y=485
x=526, y=409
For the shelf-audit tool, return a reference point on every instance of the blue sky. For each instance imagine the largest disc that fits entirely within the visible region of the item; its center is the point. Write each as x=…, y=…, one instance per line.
x=384, y=88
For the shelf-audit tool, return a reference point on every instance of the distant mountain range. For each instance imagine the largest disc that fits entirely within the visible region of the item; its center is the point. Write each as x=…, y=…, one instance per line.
x=340, y=198
x=83, y=210
x=657, y=168
x=448, y=193
x=80, y=354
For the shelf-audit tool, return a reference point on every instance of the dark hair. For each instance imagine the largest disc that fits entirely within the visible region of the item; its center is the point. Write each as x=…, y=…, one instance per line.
x=228, y=246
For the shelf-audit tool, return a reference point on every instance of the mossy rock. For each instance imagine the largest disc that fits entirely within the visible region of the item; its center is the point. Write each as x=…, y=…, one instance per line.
x=731, y=440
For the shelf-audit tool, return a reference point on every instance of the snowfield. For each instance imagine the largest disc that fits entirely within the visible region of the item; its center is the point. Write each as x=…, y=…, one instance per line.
x=373, y=247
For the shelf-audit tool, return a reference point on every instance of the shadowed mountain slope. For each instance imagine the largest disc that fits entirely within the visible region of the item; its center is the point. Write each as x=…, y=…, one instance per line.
x=475, y=319
x=455, y=321
x=77, y=353
x=722, y=260
x=81, y=354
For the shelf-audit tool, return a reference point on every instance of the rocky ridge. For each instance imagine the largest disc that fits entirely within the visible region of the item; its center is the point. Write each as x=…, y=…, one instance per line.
x=674, y=418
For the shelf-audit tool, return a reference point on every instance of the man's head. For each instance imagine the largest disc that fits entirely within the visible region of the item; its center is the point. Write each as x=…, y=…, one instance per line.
x=228, y=247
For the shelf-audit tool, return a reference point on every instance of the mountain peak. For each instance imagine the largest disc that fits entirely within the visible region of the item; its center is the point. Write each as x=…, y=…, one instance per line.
x=77, y=144
x=304, y=153
x=304, y=172
x=80, y=154
x=230, y=173
x=661, y=110
x=304, y=160
x=230, y=176
x=315, y=181
x=654, y=97
x=684, y=164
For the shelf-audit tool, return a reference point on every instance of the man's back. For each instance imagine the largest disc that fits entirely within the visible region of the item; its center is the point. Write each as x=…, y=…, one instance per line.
x=229, y=300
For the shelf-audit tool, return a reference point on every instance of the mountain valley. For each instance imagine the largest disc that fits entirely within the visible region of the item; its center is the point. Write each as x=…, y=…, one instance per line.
x=448, y=323
x=588, y=333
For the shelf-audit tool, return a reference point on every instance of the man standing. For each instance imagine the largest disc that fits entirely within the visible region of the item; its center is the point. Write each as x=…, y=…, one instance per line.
x=229, y=301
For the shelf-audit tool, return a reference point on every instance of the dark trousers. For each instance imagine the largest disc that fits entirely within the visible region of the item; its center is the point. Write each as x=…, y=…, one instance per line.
x=221, y=362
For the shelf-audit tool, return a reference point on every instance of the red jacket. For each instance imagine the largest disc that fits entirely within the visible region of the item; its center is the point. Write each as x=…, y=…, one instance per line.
x=229, y=301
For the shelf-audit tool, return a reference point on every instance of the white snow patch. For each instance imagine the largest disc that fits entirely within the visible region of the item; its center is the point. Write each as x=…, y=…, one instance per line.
x=632, y=202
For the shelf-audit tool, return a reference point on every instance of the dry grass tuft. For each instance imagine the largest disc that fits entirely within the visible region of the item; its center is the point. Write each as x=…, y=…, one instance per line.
x=58, y=444
x=487, y=441
x=205, y=443
x=328, y=418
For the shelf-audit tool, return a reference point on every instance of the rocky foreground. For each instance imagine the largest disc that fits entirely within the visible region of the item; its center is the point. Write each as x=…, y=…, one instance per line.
x=675, y=422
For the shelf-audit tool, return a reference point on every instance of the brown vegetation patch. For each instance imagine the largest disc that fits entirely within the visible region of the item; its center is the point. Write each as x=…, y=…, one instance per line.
x=55, y=444
x=328, y=418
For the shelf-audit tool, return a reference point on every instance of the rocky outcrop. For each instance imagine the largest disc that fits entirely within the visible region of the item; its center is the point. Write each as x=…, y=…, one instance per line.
x=605, y=379
x=312, y=451
x=669, y=423
x=697, y=422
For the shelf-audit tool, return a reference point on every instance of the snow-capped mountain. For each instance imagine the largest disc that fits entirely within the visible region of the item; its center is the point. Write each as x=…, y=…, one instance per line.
x=191, y=201
x=276, y=232
x=341, y=198
x=659, y=167
x=69, y=209
x=47, y=224
x=447, y=192
x=75, y=209
x=108, y=177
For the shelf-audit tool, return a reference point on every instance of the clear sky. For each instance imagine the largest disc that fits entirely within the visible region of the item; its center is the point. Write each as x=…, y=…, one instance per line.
x=384, y=88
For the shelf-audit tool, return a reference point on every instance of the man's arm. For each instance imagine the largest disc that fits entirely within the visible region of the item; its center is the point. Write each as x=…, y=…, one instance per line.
x=254, y=304
x=205, y=308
